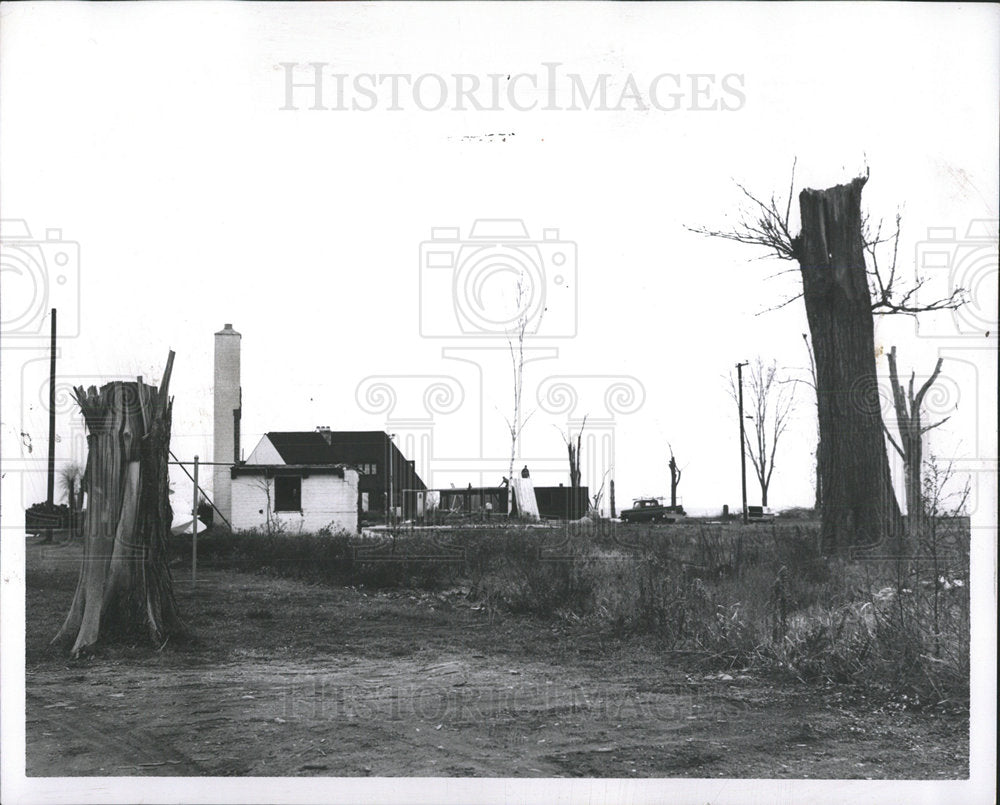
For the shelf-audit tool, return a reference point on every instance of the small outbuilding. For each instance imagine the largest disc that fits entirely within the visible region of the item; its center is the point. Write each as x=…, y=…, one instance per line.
x=295, y=490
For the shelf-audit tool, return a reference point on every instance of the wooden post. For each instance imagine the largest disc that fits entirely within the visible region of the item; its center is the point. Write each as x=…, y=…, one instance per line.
x=194, y=527
x=612, y=485
x=743, y=452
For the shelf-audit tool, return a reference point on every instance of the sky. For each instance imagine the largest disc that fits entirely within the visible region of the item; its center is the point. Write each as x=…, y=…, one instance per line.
x=197, y=189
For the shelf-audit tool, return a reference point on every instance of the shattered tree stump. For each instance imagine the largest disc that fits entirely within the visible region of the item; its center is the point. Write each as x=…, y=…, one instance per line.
x=125, y=585
x=859, y=506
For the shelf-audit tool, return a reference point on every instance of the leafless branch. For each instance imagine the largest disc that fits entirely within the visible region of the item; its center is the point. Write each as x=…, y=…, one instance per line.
x=780, y=305
x=893, y=441
x=888, y=296
x=763, y=224
x=766, y=224
x=919, y=399
x=936, y=424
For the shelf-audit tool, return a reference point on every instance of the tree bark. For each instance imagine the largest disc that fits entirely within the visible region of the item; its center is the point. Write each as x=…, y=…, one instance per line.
x=573, y=452
x=858, y=503
x=675, y=480
x=574, y=466
x=818, y=503
x=125, y=583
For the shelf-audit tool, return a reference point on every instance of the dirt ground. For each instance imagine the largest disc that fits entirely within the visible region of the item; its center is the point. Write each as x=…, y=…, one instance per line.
x=285, y=678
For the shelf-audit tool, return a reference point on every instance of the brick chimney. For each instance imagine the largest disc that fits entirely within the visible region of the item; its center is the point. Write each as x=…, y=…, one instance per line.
x=228, y=408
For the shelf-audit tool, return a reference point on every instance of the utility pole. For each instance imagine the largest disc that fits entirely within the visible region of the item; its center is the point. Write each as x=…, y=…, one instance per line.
x=392, y=496
x=194, y=527
x=51, y=496
x=743, y=448
x=52, y=415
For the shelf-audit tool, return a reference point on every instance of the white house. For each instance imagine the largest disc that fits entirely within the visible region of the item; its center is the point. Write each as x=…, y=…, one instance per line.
x=304, y=494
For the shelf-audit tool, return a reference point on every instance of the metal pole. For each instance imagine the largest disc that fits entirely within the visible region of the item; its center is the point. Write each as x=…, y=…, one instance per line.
x=52, y=414
x=194, y=527
x=392, y=489
x=188, y=474
x=743, y=449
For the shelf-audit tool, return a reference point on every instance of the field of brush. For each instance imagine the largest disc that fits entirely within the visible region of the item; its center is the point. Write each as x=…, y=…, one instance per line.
x=759, y=595
x=583, y=650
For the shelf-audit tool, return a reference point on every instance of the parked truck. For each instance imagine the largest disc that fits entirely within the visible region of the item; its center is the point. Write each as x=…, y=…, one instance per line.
x=651, y=510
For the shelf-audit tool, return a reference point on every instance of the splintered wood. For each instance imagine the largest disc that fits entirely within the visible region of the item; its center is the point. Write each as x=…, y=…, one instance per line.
x=125, y=584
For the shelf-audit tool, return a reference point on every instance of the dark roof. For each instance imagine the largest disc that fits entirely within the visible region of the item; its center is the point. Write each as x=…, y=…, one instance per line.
x=310, y=447
x=272, y=470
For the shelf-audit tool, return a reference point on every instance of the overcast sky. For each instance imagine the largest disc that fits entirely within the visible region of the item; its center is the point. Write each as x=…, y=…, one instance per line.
x=154, y=136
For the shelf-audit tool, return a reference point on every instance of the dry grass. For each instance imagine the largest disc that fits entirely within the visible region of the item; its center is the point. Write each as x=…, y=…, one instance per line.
x=759, y=596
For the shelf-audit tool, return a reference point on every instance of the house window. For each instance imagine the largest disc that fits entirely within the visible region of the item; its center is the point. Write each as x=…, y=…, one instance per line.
x=367, y=469
x=287, y=494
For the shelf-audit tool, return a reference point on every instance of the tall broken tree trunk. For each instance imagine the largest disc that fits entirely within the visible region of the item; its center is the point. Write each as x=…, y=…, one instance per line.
x=125, y=584
x=675, y=478
x=858, y=503
x=911, y=438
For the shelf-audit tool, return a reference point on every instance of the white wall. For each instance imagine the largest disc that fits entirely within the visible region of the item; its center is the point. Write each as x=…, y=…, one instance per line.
x=327, y=501
x=265, y=453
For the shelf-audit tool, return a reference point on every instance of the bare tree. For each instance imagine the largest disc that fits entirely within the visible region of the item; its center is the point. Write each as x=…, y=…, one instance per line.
x=597, y=499
x=770, y=402
x=272, y=523
x=573, y=452
x=71, y=476
x=675, y=477
x=841, y=292
x=515, y=343
x=911, y=435
x=125, y=582
x=264, y=485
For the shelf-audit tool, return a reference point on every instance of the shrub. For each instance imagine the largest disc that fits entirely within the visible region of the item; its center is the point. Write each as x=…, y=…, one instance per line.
x=735, y=596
